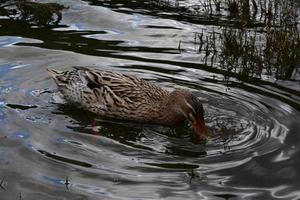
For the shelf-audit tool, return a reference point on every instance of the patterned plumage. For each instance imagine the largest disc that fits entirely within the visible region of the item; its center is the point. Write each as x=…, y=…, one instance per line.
x=122, y=96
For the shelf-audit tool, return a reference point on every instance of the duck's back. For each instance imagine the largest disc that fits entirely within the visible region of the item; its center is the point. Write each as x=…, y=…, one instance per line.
x=111, y=94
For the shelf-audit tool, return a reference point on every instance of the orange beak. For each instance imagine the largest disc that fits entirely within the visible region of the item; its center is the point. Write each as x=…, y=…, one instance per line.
x=200, y=129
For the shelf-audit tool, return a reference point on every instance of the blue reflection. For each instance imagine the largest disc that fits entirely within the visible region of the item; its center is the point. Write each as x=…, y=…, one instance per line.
x=8, y=41
x=30, y=146
x=52, y=180
x=79, y=26
x=5, y=68
x=60, y=140
x=2, y=112
x=22, y=134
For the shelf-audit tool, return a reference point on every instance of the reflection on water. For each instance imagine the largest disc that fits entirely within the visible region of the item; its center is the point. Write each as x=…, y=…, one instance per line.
x=54, y=151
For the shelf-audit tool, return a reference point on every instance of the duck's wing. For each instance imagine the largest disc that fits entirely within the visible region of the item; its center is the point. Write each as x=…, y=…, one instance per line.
x=120, y=90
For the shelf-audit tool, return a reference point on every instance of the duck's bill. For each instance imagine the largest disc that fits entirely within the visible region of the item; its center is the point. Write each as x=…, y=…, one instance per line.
x=200, y=129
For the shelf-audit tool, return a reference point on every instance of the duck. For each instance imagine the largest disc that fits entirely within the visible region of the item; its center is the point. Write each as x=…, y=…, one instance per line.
x=126, y=97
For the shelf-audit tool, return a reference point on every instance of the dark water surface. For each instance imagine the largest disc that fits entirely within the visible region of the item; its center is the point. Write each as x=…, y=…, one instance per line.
x=50, y=151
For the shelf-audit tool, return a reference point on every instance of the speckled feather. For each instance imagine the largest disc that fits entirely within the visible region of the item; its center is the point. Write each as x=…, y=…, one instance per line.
x=116, y=95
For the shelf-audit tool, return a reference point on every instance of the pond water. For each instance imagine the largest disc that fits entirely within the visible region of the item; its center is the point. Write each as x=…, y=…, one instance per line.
x=51, y=151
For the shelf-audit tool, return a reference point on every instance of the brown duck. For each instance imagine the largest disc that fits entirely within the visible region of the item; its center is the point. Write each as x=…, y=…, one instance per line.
x=122, y=96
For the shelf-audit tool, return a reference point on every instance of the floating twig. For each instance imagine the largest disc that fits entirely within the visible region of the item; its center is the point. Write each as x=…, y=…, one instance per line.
x=67, y=182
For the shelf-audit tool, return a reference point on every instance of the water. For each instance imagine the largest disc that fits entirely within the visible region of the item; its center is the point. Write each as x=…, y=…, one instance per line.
x=51, y=151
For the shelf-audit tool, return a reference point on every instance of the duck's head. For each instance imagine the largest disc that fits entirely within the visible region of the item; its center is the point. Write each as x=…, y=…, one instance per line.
x=190, y=106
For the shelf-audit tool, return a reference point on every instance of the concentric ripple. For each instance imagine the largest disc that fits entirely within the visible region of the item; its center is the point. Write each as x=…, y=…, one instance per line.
x=246, y=126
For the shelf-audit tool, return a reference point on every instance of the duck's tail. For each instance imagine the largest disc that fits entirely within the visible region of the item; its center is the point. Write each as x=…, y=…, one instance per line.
x=53, y=73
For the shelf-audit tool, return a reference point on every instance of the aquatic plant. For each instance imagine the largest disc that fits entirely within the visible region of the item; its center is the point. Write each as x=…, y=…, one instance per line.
x=271, y=48
x=239, y=53
x=32, y=12
x=233, y=7
x=281, y=52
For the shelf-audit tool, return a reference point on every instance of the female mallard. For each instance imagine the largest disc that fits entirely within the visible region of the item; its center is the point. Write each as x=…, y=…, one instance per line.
x=121, y=96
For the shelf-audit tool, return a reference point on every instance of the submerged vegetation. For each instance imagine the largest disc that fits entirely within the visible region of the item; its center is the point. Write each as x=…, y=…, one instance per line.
x=32, y=12
x=270, y=48
x=278, y=54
